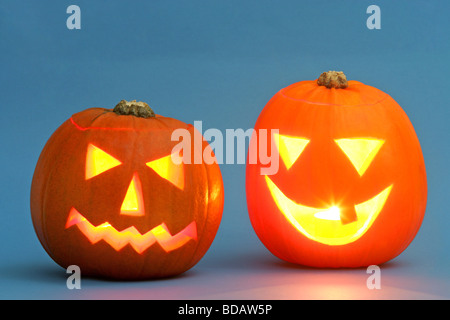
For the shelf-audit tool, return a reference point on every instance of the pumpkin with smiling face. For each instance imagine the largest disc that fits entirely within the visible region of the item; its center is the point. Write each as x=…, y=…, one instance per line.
x=351, y=187
x=108, y=196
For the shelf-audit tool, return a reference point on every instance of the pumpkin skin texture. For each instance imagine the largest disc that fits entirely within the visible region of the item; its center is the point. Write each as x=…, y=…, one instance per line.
x=351, y=187
x=85, y=214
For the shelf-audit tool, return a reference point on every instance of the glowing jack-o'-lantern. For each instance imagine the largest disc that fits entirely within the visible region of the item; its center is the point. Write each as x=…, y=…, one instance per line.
x=351, y=187
x=108, y=196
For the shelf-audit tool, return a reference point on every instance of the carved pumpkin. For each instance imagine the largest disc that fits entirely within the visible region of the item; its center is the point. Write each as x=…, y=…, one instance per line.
x=107, y=196
x=351, y=186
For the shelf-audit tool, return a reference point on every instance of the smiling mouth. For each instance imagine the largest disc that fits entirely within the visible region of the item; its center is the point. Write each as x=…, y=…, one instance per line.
x=139, y=242
x=324, y=225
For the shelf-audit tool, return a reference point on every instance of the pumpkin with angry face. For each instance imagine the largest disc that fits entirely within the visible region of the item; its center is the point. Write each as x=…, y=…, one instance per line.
x=108, y=196
x=351, y=187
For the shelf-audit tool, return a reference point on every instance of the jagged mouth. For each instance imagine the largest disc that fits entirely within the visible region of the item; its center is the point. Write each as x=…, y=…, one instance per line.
x=131, y=236
x=324, y=225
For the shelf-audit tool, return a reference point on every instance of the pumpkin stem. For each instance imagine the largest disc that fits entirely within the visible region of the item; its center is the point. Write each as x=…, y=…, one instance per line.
x=333, y=79
x=134, y=108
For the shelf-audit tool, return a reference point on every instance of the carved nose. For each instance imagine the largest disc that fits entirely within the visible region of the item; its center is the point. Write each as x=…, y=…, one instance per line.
x=133, y=203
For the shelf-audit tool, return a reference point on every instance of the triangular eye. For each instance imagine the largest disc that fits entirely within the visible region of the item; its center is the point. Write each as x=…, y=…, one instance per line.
x=360, y=151
x=98, y=161
x=167, y=169
x=289, y=148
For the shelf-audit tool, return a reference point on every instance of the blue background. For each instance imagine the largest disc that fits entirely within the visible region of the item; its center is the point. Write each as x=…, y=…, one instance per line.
x=219, y=62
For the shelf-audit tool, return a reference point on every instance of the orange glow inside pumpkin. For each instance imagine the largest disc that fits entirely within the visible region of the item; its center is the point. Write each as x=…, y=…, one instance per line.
x=326, y=225
x=289, y=148
x=360, y=151
x=98, y=161
x=139, y=242
x=167, y=169
x=133, y=203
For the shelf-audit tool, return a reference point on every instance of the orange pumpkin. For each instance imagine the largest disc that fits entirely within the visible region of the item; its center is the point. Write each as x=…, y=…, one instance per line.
x=351, y=186
x=107, y=196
